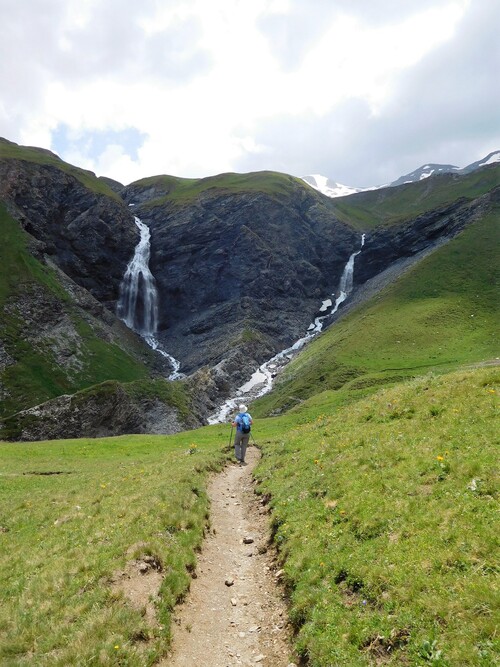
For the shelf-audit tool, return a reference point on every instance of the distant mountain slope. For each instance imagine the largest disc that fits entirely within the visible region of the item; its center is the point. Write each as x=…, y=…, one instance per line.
x=491, y=158
x=440, y=314
x=424, y=172
x=332, y=189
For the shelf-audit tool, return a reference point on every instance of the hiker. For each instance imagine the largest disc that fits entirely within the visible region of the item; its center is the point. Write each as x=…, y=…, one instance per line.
x=242, y=421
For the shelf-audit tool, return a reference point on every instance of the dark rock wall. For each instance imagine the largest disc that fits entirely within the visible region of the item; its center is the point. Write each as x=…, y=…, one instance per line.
x=90, y=236
x=245, y=264
x=388, y=244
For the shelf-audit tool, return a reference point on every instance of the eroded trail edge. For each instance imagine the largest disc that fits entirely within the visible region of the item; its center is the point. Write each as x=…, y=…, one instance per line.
x=235, y=613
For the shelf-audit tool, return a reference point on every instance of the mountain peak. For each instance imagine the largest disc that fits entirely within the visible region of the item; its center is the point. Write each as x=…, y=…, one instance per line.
x=331, y=188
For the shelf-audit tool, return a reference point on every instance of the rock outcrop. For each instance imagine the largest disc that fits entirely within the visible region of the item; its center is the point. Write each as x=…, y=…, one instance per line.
x=89, y=235
x=104, y=410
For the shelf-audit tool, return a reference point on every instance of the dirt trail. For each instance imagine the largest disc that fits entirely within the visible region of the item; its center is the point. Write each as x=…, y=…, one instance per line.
x=243, y=623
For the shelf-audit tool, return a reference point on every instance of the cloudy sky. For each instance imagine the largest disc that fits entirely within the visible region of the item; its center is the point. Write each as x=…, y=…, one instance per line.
x=361, y=91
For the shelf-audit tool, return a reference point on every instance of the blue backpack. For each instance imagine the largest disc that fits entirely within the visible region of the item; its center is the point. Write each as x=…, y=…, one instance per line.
x=245, y=422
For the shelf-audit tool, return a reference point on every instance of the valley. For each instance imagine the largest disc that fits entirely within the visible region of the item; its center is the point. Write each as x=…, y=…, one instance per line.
x=363, y=332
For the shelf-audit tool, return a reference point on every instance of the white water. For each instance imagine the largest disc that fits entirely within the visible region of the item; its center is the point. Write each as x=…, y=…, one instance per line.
x=175, y=363
x=261, y=381
x=138, y=302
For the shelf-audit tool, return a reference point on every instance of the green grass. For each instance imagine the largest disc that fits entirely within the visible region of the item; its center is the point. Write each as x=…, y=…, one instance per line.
x=183, y=191
x=35, y=375
x=63, y=536
x=384, y=513
x=443, y=313
x=12, y=151
x=393, y=205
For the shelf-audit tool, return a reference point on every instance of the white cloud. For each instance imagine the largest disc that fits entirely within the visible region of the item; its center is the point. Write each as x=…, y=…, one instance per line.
x=200, y=80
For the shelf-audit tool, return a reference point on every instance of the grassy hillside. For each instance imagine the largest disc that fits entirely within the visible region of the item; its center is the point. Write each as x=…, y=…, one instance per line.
x=10, y=150
x=443, y=313
x=183, y=191
x=33, y=373
x=383, y=513
x=392, y=205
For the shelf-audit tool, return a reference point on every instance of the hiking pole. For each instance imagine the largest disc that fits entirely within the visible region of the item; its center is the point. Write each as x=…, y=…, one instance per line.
x=231, y=435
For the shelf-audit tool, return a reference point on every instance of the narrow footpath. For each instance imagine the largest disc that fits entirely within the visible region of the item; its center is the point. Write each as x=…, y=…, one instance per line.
x=234, y=613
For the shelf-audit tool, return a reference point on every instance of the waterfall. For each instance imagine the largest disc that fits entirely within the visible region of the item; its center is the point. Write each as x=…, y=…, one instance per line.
x=138, y=301
x=261, y=381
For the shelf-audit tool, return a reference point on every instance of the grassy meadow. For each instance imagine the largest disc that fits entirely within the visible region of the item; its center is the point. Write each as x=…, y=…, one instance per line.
x=386, y=516
x=383, y=511
x=72, y=513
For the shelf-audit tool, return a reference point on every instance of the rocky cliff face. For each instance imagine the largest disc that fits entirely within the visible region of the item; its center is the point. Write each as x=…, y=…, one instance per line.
x=391, y=243
x=240, y=271
x=89, y=235
x=105, y=410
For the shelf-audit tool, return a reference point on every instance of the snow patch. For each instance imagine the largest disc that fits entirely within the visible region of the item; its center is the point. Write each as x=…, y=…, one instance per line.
x=331, y=188
x=491, y=160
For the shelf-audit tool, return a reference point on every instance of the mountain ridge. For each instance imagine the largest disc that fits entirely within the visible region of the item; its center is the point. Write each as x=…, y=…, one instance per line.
x=333, y=189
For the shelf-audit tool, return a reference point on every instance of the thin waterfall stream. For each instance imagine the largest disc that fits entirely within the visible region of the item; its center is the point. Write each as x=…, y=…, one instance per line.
x=261, y=381
x=138, y=301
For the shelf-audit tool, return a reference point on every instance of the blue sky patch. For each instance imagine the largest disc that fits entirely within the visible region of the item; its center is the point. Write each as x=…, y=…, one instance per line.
x=92, y=143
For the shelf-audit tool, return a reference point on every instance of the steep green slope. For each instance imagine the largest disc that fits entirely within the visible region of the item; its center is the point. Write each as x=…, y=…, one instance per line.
x=11, y=150
x=392, y=205
x=441, y=314
x=62, y=352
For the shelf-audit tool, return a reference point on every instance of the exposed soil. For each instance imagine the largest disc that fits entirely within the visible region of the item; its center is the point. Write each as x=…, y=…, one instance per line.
x=140, y=583
x=235, y=612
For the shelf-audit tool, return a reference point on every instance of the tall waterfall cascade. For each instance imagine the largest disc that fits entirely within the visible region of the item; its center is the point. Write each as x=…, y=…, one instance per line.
x=138, y=301
x=261, y=381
